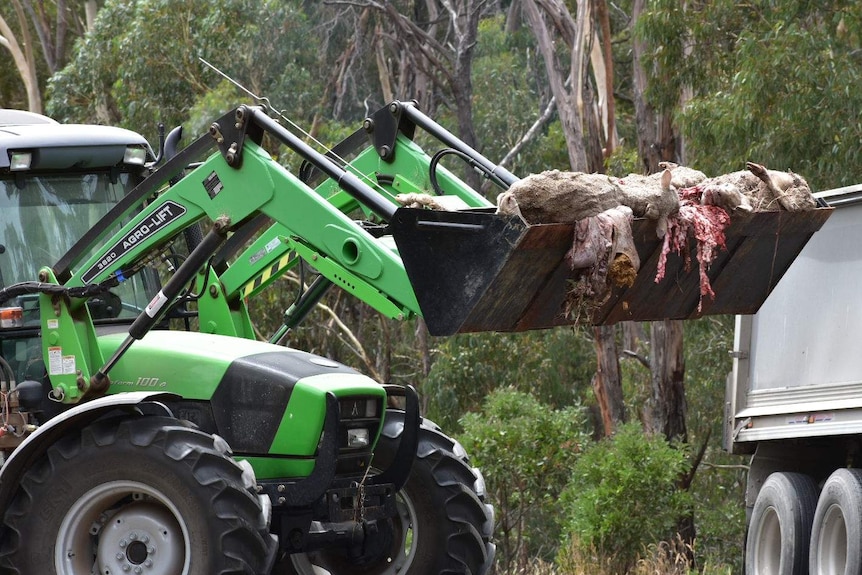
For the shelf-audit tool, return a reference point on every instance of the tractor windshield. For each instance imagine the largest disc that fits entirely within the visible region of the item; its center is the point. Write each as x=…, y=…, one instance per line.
x=41, y=217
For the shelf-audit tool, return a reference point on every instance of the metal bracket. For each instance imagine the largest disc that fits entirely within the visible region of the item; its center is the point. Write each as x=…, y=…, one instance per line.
x=230, y=133
x=740, y=426
x=383, y=127
x=398, y=472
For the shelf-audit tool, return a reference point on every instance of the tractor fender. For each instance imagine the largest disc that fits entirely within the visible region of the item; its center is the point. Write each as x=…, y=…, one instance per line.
x=75, y=418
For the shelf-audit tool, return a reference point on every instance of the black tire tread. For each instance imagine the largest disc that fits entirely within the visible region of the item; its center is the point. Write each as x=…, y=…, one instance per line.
x=788, y=491
x=469, y=548
x=243, y=541
x=844, y=488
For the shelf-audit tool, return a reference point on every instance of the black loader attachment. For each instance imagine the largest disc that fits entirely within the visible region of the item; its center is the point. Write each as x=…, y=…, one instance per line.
x=475, y=271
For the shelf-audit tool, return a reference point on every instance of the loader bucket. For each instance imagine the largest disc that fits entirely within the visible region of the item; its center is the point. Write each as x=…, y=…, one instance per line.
x=476, y=271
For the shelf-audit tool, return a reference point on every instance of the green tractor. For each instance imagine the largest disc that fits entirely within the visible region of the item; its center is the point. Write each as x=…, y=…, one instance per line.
x=130, y=448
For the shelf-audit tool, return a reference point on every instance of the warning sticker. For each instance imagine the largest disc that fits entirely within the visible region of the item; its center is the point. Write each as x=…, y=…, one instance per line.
x=55, y=360
x=68, y=364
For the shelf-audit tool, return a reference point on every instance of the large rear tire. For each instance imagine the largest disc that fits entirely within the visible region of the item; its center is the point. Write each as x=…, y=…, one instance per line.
x=443, y=524
x=780, y=529
x=144, y=495
x=836, y=537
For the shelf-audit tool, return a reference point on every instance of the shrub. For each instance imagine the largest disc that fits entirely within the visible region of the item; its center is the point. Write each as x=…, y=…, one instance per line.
x=526, y=451
x=623, y=495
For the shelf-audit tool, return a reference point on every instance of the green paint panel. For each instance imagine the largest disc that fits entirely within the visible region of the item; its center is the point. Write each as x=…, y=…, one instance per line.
x=308, y=405
x=187, y=363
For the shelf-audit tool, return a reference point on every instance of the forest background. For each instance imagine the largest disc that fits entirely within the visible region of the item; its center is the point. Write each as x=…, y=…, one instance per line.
x=601, y=447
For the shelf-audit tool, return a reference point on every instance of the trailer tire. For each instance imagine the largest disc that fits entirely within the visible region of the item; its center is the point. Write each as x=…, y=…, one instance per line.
x=443, y=523
x=779, y=532
x=148, y=494
x=836, y=537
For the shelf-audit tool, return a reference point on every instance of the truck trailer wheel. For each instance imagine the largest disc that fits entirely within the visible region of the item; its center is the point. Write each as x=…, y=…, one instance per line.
x=144, y=495
x=780, y=527
x=836, y=537
x=443, y=524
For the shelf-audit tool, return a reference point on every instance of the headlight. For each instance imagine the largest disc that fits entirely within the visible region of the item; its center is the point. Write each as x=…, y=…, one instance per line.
x=20, y=161
x=135, y=155
x=358, y=438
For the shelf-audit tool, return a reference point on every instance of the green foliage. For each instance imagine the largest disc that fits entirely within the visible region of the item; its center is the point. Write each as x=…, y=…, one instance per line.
x=664, y=26
x=718, y=487
x=623, y=495
x=140, y=64
x=773, y=82
x=525, y=450
x=550, y=365
x=720, y=511
x=719, y=484
x=510, y=78
x=622, y=162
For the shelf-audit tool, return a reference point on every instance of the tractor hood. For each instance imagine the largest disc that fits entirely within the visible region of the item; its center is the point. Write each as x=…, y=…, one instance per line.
x=250, y=393
x=180, y=362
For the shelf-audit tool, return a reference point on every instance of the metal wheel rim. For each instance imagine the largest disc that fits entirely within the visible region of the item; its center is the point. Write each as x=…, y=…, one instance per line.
x=832, y=557
x=767, y=544
x=312, y=563
x=76, y=551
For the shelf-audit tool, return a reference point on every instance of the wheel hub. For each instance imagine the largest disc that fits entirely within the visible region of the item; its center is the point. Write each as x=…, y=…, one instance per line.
x=141, y=538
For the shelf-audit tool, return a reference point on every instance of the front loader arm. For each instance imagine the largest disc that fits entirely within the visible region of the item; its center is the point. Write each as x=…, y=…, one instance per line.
x=384, y=155
x=231, y=186
x=304, y=220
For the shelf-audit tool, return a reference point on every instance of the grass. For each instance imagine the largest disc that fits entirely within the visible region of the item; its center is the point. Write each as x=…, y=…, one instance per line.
x=666, y=558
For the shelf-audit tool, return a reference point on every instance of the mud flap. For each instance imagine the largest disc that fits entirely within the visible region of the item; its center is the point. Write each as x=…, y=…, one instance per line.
x=478, y=271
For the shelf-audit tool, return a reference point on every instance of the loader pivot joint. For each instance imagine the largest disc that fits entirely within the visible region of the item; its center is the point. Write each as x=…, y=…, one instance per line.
x=383, y=127
x=231, y=130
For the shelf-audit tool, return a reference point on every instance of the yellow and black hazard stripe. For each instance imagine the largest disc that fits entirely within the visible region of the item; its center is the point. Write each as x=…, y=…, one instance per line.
x=266, y=274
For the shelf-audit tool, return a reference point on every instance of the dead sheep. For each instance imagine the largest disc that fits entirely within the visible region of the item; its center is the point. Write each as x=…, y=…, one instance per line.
x=567, y=197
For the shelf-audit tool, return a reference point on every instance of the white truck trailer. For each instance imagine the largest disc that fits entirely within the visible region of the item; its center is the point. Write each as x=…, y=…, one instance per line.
x=794, y=403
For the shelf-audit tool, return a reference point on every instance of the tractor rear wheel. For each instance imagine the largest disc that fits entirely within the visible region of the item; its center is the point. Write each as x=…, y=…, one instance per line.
x=443, y=524
x=137, y=495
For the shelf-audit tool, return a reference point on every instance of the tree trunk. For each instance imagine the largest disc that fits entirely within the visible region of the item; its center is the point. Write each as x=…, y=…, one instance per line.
x=668, y=405
x=91, y=9
x=25, y=65
x=513, y=18
x=656, y=137
x=425, y=350
x=606, y=88
x=567, y=99
x=607, y=384
x=633, y=335
x=668, y=375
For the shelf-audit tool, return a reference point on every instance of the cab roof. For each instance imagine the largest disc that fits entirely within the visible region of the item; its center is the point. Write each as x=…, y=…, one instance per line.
x=57, y=146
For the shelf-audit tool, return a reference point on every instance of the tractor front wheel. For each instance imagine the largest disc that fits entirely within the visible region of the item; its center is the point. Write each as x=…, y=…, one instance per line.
x=141, y=495
x=443, y=524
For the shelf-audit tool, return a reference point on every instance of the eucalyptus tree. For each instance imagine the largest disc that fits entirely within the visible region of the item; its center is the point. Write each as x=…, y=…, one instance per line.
x=46, y=27
x=141, y=62
x=771, y=82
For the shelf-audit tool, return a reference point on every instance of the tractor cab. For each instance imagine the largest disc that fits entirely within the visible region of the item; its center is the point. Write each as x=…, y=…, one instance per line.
x=56, y=182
